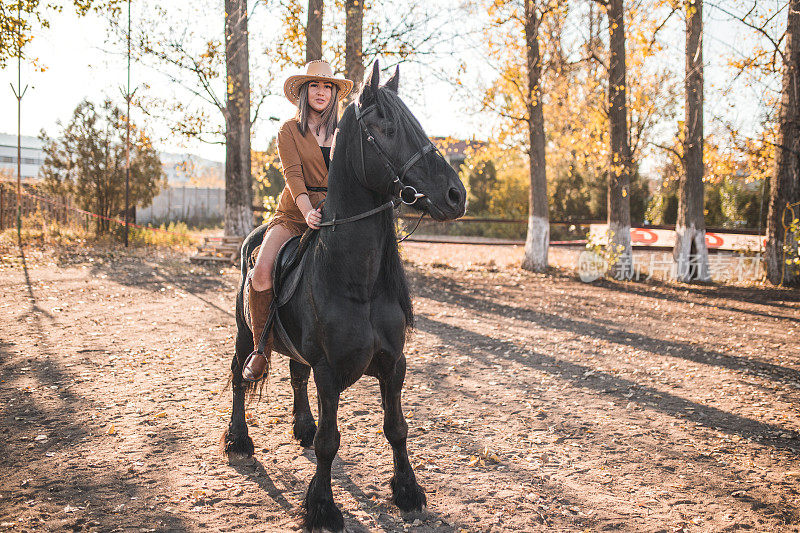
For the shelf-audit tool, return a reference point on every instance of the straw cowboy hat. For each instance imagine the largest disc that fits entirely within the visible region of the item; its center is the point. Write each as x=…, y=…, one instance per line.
x=318, y=70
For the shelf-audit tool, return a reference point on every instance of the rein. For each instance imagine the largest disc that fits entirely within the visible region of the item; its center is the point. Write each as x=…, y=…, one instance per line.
x=393, y=203
x=403, y=193
x=383, y=207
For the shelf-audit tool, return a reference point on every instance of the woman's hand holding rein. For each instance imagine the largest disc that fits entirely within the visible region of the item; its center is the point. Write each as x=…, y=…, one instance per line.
x=312, y=216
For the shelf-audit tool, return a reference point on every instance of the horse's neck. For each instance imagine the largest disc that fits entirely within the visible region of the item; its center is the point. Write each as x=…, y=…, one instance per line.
x=361, y=243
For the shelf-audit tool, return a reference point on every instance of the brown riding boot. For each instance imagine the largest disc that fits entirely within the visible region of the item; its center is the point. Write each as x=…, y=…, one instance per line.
x=257, y=362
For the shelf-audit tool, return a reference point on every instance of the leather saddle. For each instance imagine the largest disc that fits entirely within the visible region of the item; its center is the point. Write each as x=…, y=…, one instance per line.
x=287, y=270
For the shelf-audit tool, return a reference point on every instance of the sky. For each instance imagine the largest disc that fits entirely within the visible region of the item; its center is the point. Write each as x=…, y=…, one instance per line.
x=77, y=61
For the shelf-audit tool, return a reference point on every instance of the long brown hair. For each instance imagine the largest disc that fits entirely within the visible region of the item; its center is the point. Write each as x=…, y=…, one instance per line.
x=330, y=116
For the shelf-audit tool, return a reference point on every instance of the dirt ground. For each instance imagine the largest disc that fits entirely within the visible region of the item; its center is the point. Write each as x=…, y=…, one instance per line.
x=535, y=402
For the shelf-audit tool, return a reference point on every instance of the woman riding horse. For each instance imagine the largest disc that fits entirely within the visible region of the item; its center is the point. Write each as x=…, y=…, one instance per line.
x=347, y=315
x=304, y=146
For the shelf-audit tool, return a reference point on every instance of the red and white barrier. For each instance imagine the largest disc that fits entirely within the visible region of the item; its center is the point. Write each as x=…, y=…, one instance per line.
x=665, y=238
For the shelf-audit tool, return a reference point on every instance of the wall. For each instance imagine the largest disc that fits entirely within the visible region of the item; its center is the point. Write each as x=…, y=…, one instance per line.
x=193, y=205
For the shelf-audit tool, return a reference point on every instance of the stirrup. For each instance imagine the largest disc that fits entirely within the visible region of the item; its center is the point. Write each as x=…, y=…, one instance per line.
x=254, y=374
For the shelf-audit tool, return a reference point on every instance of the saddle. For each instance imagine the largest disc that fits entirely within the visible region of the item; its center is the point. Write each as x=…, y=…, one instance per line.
x=286, y=274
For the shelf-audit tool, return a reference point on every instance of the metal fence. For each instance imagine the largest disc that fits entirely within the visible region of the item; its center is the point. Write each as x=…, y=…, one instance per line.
x=483, y=230
x=59, y=211
x=196, y=206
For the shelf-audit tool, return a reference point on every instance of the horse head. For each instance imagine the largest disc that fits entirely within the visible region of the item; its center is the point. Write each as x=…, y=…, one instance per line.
x=398, y=154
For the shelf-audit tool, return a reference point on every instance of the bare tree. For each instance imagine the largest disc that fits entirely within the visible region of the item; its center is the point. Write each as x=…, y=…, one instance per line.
x=314, y=30
x=213, y=100
x=537, y=240
x=690, y=228
x=353, y=48
x=238, y=179
x=785, y=186
x=619, y=209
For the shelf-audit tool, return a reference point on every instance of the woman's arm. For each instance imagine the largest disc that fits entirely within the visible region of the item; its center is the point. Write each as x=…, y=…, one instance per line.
x=293, y=175
x=290, y=161
x=312, y=216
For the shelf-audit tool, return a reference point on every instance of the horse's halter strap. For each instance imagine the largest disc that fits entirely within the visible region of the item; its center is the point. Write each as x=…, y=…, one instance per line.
x=402, y=193
x=407, y=194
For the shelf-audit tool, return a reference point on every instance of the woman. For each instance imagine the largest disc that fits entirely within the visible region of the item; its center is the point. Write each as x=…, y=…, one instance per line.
x=304, y=146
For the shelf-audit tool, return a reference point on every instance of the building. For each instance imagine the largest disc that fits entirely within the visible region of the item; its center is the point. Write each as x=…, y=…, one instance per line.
x=32, y=156
x=455, y=151
x=189, y=170
x=185, y=170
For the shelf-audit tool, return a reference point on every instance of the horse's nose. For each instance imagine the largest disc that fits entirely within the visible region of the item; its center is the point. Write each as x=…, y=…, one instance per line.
x=454, y=197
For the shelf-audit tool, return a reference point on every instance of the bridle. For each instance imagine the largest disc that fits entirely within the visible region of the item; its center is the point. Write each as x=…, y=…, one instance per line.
x=407, y=194
x=402, y=193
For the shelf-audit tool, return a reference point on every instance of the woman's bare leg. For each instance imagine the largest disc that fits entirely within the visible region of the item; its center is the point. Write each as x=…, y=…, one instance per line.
x=262, y=271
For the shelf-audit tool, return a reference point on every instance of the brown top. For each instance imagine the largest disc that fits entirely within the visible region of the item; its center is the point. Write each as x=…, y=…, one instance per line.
x=303, y=166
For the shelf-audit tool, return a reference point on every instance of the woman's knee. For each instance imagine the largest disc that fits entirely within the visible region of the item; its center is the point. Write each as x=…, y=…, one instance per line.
x=261, y=276
x=262, y=272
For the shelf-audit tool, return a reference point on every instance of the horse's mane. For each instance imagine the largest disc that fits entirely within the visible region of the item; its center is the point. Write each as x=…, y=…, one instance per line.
x=392, y=275
x=390, y=103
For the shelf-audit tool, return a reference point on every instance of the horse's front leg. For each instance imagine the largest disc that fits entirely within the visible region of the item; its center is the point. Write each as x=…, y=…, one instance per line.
x=406, y=493
x=321, y=512
x=236, y=442
x=304, y=427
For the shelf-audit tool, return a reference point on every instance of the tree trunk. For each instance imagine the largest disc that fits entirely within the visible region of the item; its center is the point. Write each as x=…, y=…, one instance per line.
x=785, y=186
x=314, y=31
x=353, y=49
x=619, y=206
x=238, y=180
x=690, y=252
x=538, y=238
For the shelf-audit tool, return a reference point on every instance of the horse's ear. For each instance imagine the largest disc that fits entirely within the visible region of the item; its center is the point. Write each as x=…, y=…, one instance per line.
x=370, y=87
x=374, y=76
x=394, y=81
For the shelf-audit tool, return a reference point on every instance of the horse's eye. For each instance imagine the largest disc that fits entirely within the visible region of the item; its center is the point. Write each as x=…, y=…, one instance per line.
x=387, y=128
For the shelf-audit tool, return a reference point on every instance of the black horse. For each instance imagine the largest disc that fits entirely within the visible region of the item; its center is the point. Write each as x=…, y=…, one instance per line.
x=351, y=310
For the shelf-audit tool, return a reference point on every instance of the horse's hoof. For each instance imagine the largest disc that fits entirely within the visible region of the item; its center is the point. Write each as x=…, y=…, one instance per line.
x=408, y=496
x=324, y=516
x=321, y=513
x=238, y=449
x=304, y=430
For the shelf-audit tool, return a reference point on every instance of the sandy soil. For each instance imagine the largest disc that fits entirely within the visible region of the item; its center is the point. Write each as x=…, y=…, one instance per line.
x=536, y=403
